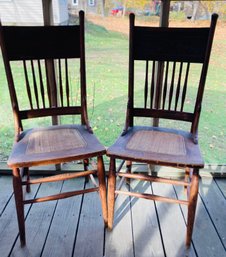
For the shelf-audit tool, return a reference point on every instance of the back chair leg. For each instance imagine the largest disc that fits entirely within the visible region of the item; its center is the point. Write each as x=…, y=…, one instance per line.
x=18, y=194
x=102, y=187
x=186, y=178
x=27, y=172
x=192, y=205
x=128, y=170
x=111, y=193
x=86, y=167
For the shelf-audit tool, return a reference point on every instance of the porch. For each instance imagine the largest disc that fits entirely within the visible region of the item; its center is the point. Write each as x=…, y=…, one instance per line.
x=74, y=226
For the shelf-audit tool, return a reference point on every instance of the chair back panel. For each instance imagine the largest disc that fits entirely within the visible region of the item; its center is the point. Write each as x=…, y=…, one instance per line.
x=170, y=44
x=166, y=64
x=48, y=64
x=41, y=42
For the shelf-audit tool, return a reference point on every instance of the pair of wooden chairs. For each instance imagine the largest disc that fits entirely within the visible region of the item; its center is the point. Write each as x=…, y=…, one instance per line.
x=46, y=54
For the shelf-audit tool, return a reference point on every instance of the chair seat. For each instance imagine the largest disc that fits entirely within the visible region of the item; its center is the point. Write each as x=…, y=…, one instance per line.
x=157, y=146
x=54, y=144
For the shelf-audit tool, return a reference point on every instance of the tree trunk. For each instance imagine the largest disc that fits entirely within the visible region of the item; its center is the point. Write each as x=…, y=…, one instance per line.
x=102, y=7
x=124, y=8
x=195, y=10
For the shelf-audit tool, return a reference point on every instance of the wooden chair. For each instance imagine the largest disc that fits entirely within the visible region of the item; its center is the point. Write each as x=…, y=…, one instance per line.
x=52, y=60
x=167, y=56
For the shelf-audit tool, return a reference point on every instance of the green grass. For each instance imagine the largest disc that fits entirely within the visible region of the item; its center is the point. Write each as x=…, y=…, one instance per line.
x=107, y=79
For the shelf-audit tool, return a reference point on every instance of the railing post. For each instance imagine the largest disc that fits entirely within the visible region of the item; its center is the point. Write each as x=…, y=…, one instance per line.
x=48, y=20
x=164, y=22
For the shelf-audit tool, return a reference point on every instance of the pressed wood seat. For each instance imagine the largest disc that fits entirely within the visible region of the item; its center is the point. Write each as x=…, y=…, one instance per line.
x=53, y=82
x=168, y=57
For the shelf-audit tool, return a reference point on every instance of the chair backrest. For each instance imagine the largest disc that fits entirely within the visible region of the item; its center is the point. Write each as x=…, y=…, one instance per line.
x=45, y=55
x=167, y=55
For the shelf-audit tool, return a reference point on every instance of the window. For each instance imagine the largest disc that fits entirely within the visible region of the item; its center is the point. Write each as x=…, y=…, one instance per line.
x=91, y=2
x=75, y=2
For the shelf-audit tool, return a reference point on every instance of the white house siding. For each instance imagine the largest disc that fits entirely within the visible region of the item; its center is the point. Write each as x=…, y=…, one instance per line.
x=60, y=11
x=30, y=12
x=82, y=5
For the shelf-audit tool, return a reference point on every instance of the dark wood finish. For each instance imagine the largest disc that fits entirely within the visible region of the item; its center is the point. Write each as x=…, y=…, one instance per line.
x=60, y=196
x=172, y=51
x=37, y=48
x=18, y=194
x=192, y=202
x=151, y=197
x=153, y=179
x=111, y=192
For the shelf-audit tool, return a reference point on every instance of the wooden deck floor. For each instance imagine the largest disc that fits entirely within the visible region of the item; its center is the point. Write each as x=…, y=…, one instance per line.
x=74, y=227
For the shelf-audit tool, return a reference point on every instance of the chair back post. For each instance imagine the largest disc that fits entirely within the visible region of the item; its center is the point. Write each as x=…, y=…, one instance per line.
x=129, y=114
x=84, y=115
x=198, y=104
x=12, y=93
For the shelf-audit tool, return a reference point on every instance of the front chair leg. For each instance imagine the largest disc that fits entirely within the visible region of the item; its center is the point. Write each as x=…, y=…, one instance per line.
x=192, y=202
x=111, y=193
x=18, y=194
x=102, y=187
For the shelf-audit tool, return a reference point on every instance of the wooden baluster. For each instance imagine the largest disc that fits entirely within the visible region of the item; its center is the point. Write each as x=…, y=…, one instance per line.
x=27, y=84
x=35, y=84
x=48, y=84
x=172, y=85
x=67, y=83
x=185, y=87
x=60, y=83
x=41, y=84
x=178, y=86
x=152, y=85
x=146, y=86
x=165, y=86
x=158, y=93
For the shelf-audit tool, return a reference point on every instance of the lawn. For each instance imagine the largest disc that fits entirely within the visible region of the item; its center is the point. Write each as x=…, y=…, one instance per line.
x=107, y=76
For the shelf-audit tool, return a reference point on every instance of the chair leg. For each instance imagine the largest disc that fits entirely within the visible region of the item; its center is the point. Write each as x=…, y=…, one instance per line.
x=111, y=193
x=186, y=178
x=128, y=170
x=102, y=187
x=18, y=194
x=192, y=202
x=86, y=165
x=28, y=187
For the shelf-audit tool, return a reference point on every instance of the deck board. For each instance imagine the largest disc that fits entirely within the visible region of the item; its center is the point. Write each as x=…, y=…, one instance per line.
x=119, y=241
x=5, y=193
x=205, y=238
x=38, y=222
x=65, y=221
x=8, y=221
x=147, y=237
x=74, y=226
x=209, y=192
x=222, y=186
x=172, y=223
x=90, y=235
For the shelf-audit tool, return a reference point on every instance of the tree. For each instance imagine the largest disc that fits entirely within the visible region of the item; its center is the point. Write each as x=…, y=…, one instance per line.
x=134, y=4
